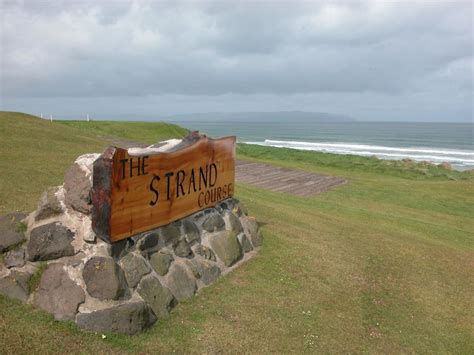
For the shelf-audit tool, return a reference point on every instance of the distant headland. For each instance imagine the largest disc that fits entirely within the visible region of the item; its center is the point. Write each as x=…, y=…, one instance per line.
x=262, y=116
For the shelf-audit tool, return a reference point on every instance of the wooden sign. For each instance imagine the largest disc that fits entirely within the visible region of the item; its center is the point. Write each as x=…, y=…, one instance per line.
x=135, y=193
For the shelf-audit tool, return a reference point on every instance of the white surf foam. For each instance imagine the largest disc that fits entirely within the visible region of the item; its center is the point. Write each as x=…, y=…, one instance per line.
x=434, y=155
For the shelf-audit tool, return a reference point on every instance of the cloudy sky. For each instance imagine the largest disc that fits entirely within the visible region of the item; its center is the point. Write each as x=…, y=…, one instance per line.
x=372, y=60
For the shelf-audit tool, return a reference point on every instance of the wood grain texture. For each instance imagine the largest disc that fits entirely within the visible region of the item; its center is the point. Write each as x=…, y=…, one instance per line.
x=136, y=193
x=279, y=179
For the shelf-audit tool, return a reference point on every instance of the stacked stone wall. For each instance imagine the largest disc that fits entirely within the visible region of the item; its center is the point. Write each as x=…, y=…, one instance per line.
x=52, y=259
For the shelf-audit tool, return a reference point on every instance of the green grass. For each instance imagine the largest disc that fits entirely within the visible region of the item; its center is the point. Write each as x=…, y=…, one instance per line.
x=382, y=264
x=144, y=132
x=35, y=153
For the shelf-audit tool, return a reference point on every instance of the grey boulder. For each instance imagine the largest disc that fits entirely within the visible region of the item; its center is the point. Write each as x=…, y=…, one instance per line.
x=15, y=258
x=160, y=262
x=252, y=230
x=49, y=205
x=182, y=249
x=181, y=283
x=78, y=188
x=58, y=294
x=191, y=231
x=234, y=222
x=244, y=243
x=134, y=267
x=15, y=285
x=129, y=318
x=104, y=279
x=205, y=252
x=50, y=241
x=226, y=246
x=208, y=271
x=170, y=234
x=213, y=223
x=158, y=297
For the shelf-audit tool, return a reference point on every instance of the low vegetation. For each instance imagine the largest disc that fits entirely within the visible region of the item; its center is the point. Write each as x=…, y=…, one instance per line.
x=381, y=264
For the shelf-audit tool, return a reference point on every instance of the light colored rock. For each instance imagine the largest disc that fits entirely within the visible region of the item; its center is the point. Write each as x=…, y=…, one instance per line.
x=208, y=271
x=252, y=230
x=78, y=185
x=205, y=252
x=234, y=223
x=244, y=243
x=181, y=282
x=160, y=262
x=226, y=247
x=58, y=294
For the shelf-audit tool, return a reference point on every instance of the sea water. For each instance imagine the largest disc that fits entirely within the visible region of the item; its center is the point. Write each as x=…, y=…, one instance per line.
x=433, y=142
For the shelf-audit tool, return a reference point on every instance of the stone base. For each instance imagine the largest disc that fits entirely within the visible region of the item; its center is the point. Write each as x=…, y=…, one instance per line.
x=122, y=287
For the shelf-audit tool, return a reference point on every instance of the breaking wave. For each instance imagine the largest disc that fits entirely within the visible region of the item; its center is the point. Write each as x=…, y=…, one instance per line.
x=462, y=159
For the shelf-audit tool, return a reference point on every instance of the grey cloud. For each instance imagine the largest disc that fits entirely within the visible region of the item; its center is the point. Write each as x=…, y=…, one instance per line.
x=213, y=48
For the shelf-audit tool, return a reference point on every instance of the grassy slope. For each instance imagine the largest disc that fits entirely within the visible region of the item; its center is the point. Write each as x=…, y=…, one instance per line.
x=382, y=264
x=35, y=153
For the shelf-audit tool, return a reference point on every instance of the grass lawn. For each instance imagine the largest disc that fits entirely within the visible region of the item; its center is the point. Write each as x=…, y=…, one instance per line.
x=382, y=264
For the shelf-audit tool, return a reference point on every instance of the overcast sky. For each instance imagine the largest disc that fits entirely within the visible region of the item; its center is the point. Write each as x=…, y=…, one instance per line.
x=371, y=60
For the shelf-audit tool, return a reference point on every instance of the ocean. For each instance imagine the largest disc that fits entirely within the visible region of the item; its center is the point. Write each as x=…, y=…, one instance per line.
x=433, y=142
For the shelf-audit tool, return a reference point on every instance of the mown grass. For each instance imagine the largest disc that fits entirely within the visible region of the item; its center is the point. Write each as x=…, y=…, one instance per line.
x=35, y=153
x=380, y=265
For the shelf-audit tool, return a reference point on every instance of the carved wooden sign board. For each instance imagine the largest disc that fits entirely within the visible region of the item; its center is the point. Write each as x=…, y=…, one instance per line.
x=135, y=193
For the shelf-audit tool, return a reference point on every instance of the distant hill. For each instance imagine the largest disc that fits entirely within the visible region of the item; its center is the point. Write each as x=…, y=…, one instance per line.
x=262, y=116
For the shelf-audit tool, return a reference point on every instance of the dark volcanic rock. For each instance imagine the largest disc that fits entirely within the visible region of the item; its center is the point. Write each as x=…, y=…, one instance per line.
x=119, y=248
x=148, y=242
x=104, y=279
x=129, y=318
x=170, y=234
x=134, y=267
x=226, y=246
x=15, y=258
x=10, y=234
x=58, y=294
x=191, y=231
x=49, y=205
x=15, y=285
x=158, y=297
x=50, y=241
x=213, y=223
x=78, y=189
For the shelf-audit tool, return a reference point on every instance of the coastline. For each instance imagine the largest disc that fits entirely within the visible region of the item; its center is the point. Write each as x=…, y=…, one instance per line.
x=460, y=160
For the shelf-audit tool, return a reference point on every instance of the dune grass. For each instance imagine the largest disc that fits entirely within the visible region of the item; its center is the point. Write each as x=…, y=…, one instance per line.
x=380, y=265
